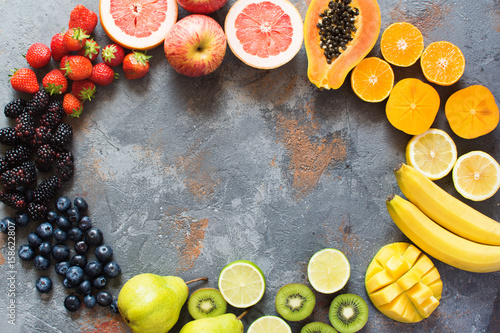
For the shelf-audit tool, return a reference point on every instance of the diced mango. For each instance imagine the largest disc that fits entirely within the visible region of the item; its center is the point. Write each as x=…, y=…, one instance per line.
x=422, y=265
x=419, y=293
x=379, y=280
x=437, y=288
x=386, y=294
x=428, y=306
x=431, y=276
x=396, y=309
x=373, y=269
x=411, y=255
x=408, y=280
x=384, y=254
x=396, y=266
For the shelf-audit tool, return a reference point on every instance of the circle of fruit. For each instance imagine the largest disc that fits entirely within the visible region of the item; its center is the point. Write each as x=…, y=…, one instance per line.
x=328, y=271
x=372, y=79
x=401, y=44
x=442, y=63
x=269, y=324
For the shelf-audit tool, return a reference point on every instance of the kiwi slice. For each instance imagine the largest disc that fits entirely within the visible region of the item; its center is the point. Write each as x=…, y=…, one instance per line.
x=295, y=301
x=318, y=327
x=206, y=303
x=348, y=313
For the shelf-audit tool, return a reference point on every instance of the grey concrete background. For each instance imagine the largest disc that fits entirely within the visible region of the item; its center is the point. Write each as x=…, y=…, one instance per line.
x=185, y=175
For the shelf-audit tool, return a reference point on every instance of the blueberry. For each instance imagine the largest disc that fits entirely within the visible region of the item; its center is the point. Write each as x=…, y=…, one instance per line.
x=104, y=253
x=85, y=223
x=99, y=282
x=45, y=249
x=81, y=247
x=93, y=268
x=51, y=216
x=94, y=236
x=43, y=284
x=26, y=252
x=84, y=288
x=112, y=270
x=61, y=268
x=72, y=303
x=75, y=234
x=34, y=240
x=67, y=284
x=63, y=223
x=81, y=204
x=63, y=204
x=60, y=236
x=60, y=252
x=22, y=219
x=114, y=305
x=73, y=215
x=104, y=298
x=90, y=301
x=7, y=223
x=44, y=230
x=75, y=275
x=41, y=263
x=78, y=260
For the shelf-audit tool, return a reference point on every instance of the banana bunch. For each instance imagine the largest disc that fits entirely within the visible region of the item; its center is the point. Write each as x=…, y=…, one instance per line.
x=443, y=226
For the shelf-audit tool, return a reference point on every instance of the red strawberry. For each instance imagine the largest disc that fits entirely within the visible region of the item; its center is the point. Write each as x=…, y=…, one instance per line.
x=81, y=17
x=77, y=67
x=102, y=74
x=72, y=106
x=38, y=55
x=90, y=50
x=54, y=82
x=24, y=80
x=136, y=65
x=113, y=54
x=63, y=61
x=57, y=46
x=74, y=39
x=83, y=89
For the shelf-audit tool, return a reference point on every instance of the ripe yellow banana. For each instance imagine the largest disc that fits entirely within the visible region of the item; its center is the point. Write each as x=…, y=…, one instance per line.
x=445, y=209
x=441, y=243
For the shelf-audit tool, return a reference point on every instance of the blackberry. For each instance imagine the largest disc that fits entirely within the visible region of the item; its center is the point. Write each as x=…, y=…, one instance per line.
x=8, y=136
x=39, y=102
x=63, y=135
x=54, y=115
x=25, y=126
x=45, y=157
x=17, y=154
x=47, y=189
x=41, y=136
x=24, y=174
x=14, y=108
x=65, y=164
x=37, y=211
x=4, y=166
x=13, y=198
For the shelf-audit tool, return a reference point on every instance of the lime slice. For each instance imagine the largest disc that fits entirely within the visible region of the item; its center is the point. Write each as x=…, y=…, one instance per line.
x=328, y=271
x=242, y=283
x=269, y=324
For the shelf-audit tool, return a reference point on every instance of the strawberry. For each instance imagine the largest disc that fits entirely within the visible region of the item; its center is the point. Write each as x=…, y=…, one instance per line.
x=57, y=46
x=103, y=74
x=24, y=80
x=38, y=55
x=90, y=50
x=63, y=61
x=136, y=65
x=54, y=82
x=83, y=89
x=77, y=67
x=74, y=39
x=84, y=18
x=113, y=54
x=72, y=106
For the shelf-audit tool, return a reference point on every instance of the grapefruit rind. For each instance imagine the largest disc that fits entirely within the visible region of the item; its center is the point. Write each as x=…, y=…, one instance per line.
x=273, y=61
x=128, y=41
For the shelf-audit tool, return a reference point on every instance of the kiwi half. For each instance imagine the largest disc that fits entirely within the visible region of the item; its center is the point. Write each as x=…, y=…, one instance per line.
x=318, y=327
x=295, y=301
x=206, y=303
x=348, y=313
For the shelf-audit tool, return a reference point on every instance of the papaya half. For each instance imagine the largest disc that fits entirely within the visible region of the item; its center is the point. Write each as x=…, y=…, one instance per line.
x=329, y=61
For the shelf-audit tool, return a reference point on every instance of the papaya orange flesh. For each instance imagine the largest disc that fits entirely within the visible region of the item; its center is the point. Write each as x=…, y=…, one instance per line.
x=367, y=24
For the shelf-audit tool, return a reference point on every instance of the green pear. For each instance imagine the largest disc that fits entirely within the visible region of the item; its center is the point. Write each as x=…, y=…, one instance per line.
x=151, y=303
x=227, y=323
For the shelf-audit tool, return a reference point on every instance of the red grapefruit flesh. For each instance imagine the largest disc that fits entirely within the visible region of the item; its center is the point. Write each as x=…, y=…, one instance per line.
x=265, y=34
x=137, y=24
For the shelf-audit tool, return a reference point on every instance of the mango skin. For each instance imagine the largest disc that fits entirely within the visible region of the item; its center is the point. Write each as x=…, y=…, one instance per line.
x=227, y=323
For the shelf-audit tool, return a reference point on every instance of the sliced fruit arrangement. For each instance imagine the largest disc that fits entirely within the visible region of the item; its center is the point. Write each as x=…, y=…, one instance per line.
x=402, y=44
x=442, y=63
x=206, y=303
x=372, y=79
x=264, y=34
x=433, y=153
x=295, y=301
x=348, y=313
x=328, y=271
x=403, y=283
x=269, y=324
x=356, y=24
x=317, y=327
x=445, y=209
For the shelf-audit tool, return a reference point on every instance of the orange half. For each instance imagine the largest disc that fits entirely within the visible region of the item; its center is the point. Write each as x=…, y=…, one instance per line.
x=402, y=44
x=442, y=63
x=372, y=79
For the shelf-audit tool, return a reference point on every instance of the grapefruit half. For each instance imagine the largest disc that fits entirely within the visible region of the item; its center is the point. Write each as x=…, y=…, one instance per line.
x=264, y=34
x=137, y=24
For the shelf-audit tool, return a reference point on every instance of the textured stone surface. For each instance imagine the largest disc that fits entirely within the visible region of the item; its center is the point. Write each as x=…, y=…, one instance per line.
x=185, y=175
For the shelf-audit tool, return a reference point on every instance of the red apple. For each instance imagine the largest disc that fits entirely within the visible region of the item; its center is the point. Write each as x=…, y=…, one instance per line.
x=201, y=6
x=195, y=45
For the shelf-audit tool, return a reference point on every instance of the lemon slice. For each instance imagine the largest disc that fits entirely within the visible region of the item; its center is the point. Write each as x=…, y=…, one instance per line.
x=328, y=271
x=242, y=283
x=269, y=324
x=476, y=175
x=433, y=153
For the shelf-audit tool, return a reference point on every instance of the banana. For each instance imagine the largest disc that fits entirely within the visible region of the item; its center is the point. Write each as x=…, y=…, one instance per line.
x=445, y=209
x=441, y=243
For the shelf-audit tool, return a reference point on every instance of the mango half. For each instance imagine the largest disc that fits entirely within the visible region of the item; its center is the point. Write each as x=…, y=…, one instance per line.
x=403, y=283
